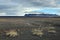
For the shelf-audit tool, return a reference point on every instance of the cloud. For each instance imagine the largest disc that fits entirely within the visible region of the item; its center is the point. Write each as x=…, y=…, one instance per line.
x=46, y=10
x=19, y=7
x=2, y=14
x=38, y=3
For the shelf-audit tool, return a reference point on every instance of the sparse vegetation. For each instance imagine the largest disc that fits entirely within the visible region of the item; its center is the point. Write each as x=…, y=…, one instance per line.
x=37, y=32
x=12, y=33
x=27, y=28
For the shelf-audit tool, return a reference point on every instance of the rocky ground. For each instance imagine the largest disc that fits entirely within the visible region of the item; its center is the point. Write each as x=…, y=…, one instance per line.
x=29, y=28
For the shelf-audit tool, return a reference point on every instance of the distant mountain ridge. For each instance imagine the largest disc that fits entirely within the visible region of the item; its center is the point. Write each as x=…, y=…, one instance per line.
x=41, y=15
x=33, y=16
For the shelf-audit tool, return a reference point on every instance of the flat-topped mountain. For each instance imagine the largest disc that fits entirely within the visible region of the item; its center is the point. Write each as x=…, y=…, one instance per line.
x=41, y=15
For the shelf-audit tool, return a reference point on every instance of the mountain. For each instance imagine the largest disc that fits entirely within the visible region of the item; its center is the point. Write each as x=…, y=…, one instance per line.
x=41, y=15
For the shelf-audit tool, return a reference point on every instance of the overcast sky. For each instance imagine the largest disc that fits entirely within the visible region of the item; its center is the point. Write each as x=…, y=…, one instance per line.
x=20, y=7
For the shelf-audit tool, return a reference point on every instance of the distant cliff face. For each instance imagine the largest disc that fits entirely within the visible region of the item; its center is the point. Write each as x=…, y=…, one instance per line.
x=41, y=15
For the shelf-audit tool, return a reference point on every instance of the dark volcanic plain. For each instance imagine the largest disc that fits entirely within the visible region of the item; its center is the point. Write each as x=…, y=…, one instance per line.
x=25, y=25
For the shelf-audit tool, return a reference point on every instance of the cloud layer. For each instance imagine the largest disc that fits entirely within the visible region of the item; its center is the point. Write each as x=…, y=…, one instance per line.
x=19, y=7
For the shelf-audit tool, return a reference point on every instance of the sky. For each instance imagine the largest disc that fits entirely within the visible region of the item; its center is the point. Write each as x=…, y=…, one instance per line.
x=21, y=7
